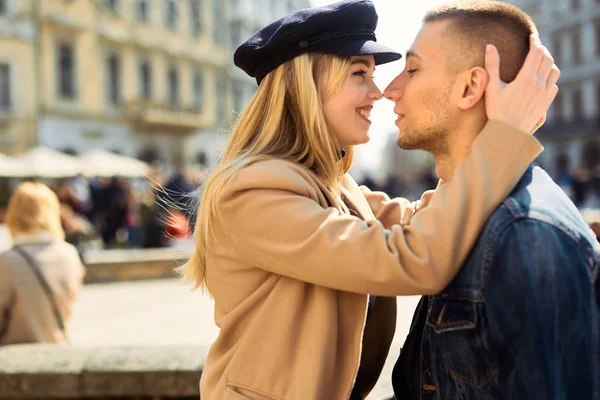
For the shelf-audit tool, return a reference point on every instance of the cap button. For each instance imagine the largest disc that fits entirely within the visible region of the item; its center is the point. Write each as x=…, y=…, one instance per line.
x=303, y=44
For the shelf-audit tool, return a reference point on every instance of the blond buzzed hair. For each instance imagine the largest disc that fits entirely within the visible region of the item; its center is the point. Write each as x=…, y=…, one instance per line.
x=475, y=23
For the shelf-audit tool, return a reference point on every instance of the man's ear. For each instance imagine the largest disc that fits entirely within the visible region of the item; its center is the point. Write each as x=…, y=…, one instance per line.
x=474, y=84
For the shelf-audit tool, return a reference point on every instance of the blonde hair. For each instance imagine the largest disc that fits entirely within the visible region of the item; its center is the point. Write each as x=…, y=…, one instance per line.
x=284, y=119
x=34, y=208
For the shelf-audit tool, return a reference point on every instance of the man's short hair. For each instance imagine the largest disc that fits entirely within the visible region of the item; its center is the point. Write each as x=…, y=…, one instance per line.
x=475, y=23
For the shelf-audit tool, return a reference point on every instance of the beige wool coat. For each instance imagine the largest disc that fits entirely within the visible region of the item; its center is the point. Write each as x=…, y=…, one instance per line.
x=291, y=276
x=26, y=315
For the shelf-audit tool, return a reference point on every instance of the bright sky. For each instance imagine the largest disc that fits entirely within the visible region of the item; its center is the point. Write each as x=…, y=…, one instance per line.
x=399, y=22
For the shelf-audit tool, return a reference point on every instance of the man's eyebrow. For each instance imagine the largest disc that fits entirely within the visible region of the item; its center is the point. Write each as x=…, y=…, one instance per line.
x=367, y=63
x=411, y=53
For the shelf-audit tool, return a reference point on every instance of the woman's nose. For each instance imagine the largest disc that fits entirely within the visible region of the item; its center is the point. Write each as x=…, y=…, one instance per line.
x=375, y=93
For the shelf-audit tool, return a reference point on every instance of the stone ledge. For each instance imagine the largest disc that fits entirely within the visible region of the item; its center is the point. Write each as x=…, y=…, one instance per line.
x=59, y=372
x=125, y=265
x=136, y=255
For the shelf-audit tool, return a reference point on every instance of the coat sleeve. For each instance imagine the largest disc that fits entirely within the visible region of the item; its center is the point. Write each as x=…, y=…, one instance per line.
x=273, y=222
x=396, y=211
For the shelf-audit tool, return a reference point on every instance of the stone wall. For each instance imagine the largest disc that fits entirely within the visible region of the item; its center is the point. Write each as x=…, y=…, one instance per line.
x=55, y=372
x=125, y=265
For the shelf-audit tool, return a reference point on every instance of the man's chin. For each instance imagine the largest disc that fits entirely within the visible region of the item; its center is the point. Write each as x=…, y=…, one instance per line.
x=405, y=143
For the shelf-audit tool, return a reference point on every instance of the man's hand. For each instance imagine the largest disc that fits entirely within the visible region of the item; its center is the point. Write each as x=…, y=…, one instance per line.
x=523, y=102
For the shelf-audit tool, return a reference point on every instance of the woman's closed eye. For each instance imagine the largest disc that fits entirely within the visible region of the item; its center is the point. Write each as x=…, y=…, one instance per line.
x=411, y=71
x=362, y=73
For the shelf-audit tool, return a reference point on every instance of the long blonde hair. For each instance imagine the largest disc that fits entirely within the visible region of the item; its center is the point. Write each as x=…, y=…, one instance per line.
x=284, y=119
x=34, y=208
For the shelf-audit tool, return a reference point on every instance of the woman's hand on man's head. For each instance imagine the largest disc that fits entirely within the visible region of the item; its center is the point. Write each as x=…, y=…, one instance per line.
x=523, y=103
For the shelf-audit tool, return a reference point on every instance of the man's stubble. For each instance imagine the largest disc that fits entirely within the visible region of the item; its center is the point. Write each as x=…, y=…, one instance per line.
x=431, y=130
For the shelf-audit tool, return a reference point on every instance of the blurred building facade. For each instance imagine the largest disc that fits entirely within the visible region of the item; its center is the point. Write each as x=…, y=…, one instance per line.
x=145, y=78
x=245, y=18
x=571, y=31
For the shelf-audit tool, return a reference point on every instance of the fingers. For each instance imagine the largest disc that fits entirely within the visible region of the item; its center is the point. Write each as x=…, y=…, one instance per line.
x=546, y=65
x=533, y=59
x=492, y=64
x=539, y=124
x=553, y=77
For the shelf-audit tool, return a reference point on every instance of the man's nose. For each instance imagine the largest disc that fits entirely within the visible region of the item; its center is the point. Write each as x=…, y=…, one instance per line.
x=392, y=93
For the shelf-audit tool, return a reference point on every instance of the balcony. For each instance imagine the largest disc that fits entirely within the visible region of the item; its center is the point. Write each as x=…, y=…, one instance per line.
x=154, y=115
x=570, y=129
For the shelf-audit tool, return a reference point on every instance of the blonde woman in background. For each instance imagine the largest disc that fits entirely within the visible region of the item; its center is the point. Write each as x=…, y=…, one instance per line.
x=290, y=247
x=41, y=275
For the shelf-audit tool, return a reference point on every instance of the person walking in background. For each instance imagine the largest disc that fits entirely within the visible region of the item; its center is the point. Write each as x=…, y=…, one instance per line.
x=41, y=275
x=290, y=247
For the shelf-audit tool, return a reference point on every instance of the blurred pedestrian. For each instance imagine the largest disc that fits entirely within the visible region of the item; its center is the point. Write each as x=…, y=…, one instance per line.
x=115, y=197
x=41, y=275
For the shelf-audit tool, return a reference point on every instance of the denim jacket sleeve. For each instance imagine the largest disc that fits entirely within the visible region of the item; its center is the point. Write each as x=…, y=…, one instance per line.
x=541, y=308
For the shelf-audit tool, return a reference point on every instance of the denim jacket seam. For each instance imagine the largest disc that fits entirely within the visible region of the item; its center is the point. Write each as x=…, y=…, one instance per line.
x=518, y=213
x=495, y=234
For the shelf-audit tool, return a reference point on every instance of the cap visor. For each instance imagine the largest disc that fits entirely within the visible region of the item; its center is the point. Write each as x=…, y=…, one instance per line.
x=380, y=53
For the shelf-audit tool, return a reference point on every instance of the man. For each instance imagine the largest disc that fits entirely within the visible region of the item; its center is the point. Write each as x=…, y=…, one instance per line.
x=521, y=320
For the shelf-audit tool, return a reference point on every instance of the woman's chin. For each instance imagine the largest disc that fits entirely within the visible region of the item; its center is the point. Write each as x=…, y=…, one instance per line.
x=358, y=141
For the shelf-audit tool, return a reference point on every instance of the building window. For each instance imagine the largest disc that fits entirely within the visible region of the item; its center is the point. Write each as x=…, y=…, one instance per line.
x=558, y=107
x=3, y=7
x=173, y=85
x=196, y=15
x=219, y=24
x=597, y=34
x=576, y=45
x=112, y=5
x=221, y=97
x=198, y=88
x=275, y=8
x=557, y=48
x=66, y=71
x=142, y=10
x=113, y=67
x=238, y=97
x=5, y=89
x=145, y=74
x=577, y=104
x=171, y=14
x=598, y=99
x=236, y=34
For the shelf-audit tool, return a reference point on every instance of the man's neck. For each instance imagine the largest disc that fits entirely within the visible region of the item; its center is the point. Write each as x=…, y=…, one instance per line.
x=460, y=140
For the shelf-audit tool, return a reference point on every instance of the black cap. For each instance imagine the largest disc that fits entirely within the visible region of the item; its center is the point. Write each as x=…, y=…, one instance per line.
x=346, y=28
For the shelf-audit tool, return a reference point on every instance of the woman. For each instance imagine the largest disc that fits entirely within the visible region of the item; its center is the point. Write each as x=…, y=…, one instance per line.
x=287, y=243
x=41, y=275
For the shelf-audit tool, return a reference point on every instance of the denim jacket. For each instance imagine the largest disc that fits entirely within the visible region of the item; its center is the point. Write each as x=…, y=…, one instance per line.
x=521, y=320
